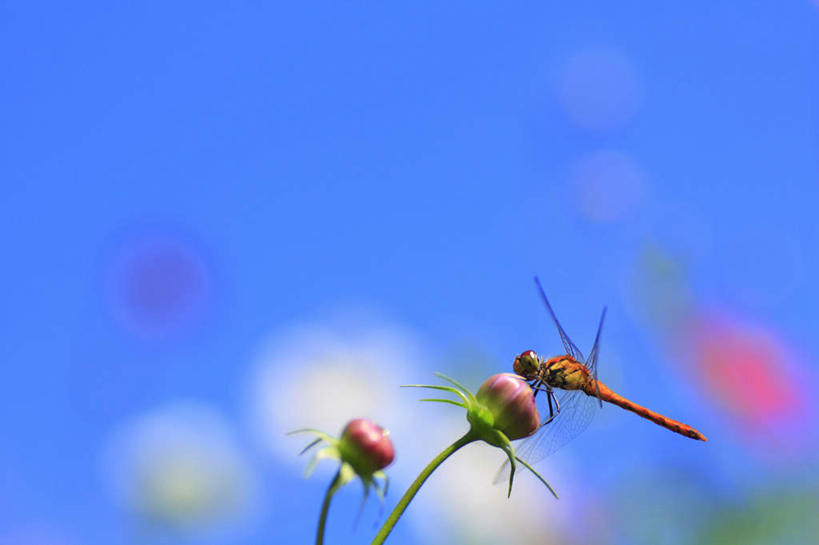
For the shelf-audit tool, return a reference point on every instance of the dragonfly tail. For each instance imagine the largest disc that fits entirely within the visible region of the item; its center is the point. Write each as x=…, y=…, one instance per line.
x=609, y=396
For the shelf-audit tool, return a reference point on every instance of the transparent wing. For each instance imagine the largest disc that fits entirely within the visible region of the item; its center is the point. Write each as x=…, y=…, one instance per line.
x=576, y=412
x=591, y=363
x=570, y=347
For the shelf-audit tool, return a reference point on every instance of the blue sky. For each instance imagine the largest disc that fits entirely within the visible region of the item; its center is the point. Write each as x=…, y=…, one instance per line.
x=417, y=162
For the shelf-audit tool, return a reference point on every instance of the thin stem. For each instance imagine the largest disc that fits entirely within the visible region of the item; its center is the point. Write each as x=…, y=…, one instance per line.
x=416, y=485
x=334, y=486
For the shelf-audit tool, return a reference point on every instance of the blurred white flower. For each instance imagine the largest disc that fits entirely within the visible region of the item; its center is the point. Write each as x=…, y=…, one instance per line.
x=179, y=467
x=468, y=508
x=321, y=377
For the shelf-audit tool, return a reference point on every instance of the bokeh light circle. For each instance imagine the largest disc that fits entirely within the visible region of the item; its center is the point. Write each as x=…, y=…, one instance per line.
x=608, y=185
x=599, y=89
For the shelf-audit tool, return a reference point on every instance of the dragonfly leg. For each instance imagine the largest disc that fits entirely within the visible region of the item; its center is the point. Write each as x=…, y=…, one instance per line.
x=552, y=415
x=540, y=387
x=549, y=400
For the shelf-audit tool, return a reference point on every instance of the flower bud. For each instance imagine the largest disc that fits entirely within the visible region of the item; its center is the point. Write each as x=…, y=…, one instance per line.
x=366, y=446
x=512, y=404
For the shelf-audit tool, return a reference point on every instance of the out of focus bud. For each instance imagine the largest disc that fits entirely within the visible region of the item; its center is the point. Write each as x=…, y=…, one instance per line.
x=366, y=446
x=363, y=450
x=512, y=404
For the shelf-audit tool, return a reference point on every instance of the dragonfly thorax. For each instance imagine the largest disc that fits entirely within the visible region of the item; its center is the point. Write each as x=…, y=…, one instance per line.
x=566, y=373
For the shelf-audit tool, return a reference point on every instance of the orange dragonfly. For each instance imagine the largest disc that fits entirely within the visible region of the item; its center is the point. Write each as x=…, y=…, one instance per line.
x=571, y=409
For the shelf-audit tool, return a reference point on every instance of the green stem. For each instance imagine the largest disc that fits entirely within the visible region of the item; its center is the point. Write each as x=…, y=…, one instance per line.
x=334, y=486
x=416, y=485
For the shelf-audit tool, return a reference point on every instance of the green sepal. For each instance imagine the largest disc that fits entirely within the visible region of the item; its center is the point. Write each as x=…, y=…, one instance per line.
x=330, y=452
x=530, y=468
x=320, y=434
x=347, y=474
x=457, y=384
x=381, y=491
x=310, y=445
x=483, y=425
x=507, y=447
x=459, y=393
x=450, y=401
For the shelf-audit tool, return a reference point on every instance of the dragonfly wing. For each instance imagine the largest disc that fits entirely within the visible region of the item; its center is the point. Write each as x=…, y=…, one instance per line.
x=576, y=412
x=570, y=347
x=591, y=363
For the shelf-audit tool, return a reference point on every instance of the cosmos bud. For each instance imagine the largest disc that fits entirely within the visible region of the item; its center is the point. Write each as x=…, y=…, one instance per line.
x=366, y=446
x=512, y=404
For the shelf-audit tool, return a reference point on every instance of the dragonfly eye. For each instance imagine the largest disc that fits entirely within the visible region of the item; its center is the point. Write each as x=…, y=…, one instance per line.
x=527, y=364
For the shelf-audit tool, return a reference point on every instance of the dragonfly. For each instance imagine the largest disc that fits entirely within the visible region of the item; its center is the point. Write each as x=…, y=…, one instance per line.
x=573, y=394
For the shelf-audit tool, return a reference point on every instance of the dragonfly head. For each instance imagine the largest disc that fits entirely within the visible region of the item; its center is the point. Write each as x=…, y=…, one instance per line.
x=527, y=364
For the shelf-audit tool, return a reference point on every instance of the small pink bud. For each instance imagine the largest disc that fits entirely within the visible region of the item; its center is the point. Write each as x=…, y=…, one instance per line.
x=366, y=446
x=512, y=403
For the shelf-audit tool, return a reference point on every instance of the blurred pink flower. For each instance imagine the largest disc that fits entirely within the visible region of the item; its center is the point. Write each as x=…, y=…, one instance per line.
x=748, y=371
x=159, y=283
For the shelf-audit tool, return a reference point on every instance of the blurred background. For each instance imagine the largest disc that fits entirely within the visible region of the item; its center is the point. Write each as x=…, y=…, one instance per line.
x=223, y=221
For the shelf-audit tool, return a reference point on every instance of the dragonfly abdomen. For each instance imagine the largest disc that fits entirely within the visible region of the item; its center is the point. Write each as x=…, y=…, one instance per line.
x=606, y=394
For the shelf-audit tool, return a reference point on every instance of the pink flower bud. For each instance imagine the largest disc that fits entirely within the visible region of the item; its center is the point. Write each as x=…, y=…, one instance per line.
x=512, y=403
x=366, y=446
